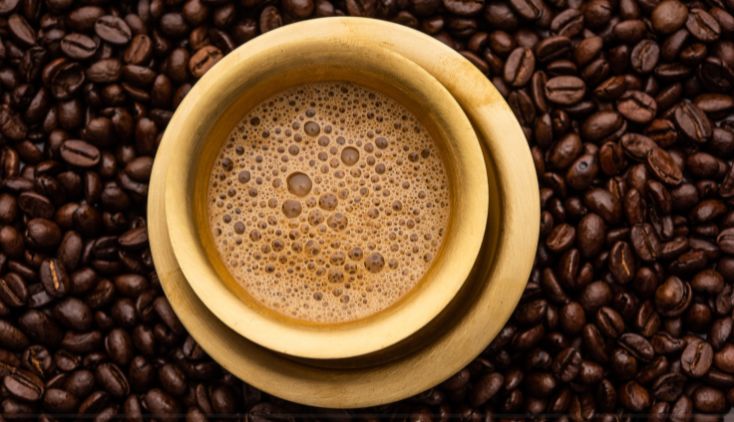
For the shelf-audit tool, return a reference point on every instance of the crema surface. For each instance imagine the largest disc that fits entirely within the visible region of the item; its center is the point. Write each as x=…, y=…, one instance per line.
x=328, y=202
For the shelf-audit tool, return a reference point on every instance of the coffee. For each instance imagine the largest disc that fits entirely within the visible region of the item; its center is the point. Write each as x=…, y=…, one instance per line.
x=328, y=202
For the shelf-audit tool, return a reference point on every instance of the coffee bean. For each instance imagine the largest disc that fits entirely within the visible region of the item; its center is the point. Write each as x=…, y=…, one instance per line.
x=59, y=401
x=112, y=29
x=637, y=107
x=634, y=397
x=568, y=23
x=160, y=404
x=104, y=71
x=720, y=332
x=11, y=337
x=63, y=78
x=172, y=379
x=668, y=387
x=591, y=234
x=54, y=278
x=621, y=262
x=702, y=25
x=13, y=291
x=669, y=16
x=673, y=297
x=725, y=240
x=112, y=379
x=79, y=153
x=528, y=9
x=709, y=400
x=78, y=46
x=552, y=48
x=645, y=242
x=519, y=67
x=697, y=358
x=602, y=125
x=7, y=6
x=662, y=165
x=692, y=121
x=21, y=30
x=724, y=359
x=81, y=342
x=24, y=385
x=637, y=345
x=565, y=90
x=567, y=364
x=35, y=205
x=561, y=238
x=644, y=56
x=43, y=233
x=74, y=314
x=203, y=60
x=572, y=318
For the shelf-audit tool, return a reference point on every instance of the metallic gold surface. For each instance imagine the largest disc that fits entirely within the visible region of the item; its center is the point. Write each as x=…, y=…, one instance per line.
x=246, y=77
x=485, y=305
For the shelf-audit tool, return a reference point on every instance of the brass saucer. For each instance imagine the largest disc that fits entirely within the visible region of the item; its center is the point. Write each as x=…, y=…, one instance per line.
x=500, y=276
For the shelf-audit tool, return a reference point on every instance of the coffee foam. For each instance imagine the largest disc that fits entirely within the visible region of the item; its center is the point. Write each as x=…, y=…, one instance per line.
x=328, y=202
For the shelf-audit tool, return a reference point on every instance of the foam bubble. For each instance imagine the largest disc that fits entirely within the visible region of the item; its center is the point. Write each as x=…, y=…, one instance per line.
x=328, y=202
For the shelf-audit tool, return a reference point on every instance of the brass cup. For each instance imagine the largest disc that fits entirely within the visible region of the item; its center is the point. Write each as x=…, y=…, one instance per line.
x=258, y=70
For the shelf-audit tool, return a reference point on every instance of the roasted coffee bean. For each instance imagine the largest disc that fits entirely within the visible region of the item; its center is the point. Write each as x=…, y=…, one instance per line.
x=565, y=90
x=634, y=397
x=725, y=240
x=43, y=233
x=644, y=56
x=673, y=297
x=697, y=358
x=79, y=153
x=519, y=67
x=59, y=401
x=645, y=242
x=54, y=278
x=74, y=314
x=63, y=78
x=78, y=46
x=113, y=29
x=622, y=262
x=203, y=60
x=112, y=379
x=663, y=166
x=13, y=290
x=709, y=400
x=172, y=379
x=602, y=125
x=637, y=345
x=669, y=387
x=724, y=359
x=693, y=122
x=702, y=25
x=11, y=337
x=24, y=385
x=637, y=107
x=21, y=30
x=669, y=16
x=160, y=404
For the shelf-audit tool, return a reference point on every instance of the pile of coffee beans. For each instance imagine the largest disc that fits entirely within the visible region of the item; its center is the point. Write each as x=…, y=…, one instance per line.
x=627, y=106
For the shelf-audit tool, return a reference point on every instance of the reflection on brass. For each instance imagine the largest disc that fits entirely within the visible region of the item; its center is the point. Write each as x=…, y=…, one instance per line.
x=448, y=342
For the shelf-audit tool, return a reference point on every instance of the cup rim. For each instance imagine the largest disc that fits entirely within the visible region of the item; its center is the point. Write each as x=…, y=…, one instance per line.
x=198, y=113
